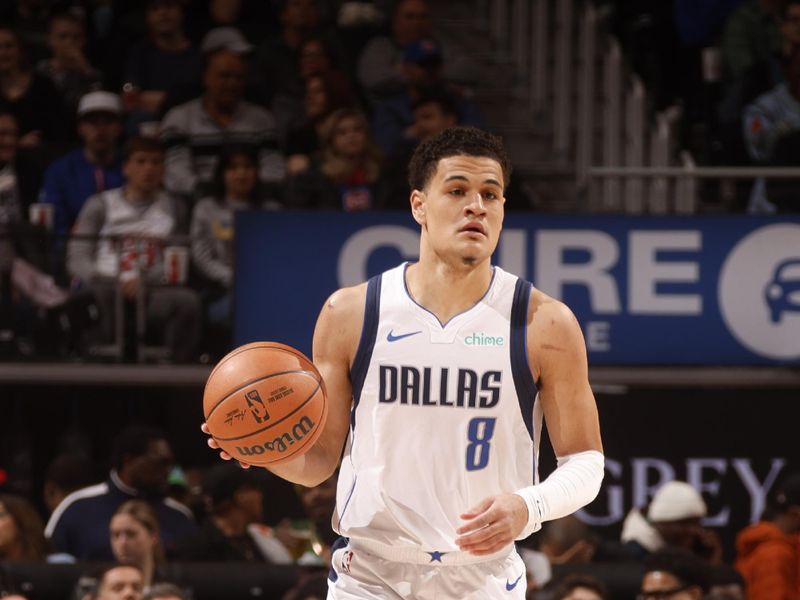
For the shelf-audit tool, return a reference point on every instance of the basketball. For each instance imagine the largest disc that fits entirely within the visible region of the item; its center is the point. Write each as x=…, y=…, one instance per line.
x=265, y=403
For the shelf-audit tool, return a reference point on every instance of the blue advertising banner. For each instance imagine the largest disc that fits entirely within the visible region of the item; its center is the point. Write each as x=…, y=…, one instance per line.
x=646, y=290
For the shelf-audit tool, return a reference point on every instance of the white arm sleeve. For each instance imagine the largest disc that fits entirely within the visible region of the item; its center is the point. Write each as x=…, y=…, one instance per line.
x=575, y=482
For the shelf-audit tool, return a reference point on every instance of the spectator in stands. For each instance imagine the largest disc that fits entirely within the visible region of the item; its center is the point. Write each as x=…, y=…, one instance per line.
x=567, y=541
x=255, y=20
x=380, y=70
x=233, y=530
x=165, y=591
x=22, y=175
x=433, y=111
x=393, y=120
x=318, y=503
x=314, y=586
x=674, y=573
x=162, y=62
x=346, y=175
x=726, y=583
x=68, y=67
x=277, y=59
x=195, y=131
x=29, y=18
x=119, y=582
x=324, y=94
x=211, y=232
x=21, y=531
x=66, y=473
x=141, y=460
x=673, y=520
x=580, y=587
x=136, y=540
x=766, y=552
x=316, y=63
x=772, y=116
x=118, y=246
x=90, y=169
x=751, y=36
x=32, y=98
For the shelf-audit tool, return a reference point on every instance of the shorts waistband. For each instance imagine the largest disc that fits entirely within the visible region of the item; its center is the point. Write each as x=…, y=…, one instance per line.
x=410, y=554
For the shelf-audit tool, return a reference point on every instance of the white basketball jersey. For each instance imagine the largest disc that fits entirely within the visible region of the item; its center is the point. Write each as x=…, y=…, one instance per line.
x=443, y=414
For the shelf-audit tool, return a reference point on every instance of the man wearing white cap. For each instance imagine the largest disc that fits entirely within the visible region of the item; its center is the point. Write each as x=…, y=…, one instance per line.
x=93, y=167
x=673, y=519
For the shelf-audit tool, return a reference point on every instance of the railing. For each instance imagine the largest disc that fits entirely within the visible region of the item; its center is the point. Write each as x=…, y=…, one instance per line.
x=599, y=110
x=674, y=189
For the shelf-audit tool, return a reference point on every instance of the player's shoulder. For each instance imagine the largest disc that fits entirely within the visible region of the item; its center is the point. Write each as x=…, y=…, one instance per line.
x=548, y=316
x=347, y=301
x=340, y=321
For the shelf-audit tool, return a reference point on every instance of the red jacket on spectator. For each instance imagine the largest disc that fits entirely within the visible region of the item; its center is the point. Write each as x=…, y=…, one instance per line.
x=767, y=559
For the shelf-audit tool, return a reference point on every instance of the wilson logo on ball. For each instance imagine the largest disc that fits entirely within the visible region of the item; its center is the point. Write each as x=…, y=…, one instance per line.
x=282, y=443
x=257, y=407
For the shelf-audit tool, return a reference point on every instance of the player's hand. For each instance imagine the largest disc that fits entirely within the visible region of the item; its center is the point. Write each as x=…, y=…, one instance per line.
x=492, y=524
x=212, y=443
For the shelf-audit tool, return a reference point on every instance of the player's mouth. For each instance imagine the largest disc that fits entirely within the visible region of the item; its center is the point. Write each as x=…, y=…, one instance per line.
x=474, y=228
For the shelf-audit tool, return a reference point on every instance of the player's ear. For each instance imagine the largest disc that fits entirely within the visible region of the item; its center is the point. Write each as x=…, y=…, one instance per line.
x=418, y=206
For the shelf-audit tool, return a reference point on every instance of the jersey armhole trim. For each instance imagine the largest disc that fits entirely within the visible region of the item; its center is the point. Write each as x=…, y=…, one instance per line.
x=520, y=367
x=369, y=331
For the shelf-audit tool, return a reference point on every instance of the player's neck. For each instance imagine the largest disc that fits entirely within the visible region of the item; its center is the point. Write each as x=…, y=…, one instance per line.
x=448, y=290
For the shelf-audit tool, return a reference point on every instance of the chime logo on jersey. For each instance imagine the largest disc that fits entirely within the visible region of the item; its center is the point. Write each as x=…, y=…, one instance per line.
x=427, y=386
x=478, y=338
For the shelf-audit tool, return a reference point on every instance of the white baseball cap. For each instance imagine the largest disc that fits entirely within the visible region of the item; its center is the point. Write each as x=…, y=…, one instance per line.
x=229, y=38
x=674, y=501
x=99, y=102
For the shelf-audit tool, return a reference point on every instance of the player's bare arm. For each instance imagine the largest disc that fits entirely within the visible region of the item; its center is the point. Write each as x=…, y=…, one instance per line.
x=336, y=338
x=557, y=357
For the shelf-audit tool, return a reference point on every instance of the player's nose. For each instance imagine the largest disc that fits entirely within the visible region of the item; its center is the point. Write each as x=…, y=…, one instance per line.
x=476, y=204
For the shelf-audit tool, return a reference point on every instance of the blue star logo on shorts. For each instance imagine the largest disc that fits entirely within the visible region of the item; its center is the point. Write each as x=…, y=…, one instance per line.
x=436, y=556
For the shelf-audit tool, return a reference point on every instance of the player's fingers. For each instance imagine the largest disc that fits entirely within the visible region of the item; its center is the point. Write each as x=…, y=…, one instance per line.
x=479, y=521
x=212, y=443
x=479, y=508
x=491, y=544
x=204, y=428
x=244, y=465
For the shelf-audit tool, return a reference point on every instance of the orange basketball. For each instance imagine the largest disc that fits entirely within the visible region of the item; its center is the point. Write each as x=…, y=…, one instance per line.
x=265, y=403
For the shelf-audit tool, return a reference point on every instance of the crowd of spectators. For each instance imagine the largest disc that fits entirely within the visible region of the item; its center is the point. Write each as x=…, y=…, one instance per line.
x=136, y=534
x=731, y=66
x=130, y=130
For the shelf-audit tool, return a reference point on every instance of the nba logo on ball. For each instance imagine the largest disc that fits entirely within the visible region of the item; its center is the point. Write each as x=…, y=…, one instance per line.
x=256, y=406
x=248, y=379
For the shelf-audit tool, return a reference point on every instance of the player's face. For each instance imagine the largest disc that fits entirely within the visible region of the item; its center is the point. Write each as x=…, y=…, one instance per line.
x=461, y=209
x=582, y=593
x=131, y=541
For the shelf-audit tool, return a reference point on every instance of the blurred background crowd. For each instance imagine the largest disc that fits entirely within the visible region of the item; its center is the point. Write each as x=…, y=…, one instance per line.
x=132, y=131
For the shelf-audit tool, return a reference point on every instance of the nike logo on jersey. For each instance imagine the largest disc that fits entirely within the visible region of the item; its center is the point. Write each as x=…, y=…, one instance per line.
x=511, y=586
x=393, y=338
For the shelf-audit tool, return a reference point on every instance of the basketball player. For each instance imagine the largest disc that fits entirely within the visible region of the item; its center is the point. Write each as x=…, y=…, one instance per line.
x=438, y=373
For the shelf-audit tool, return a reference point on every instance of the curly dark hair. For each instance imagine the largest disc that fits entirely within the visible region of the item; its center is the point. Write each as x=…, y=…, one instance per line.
x=569, y=583
x=455, y=141
x=688, y=568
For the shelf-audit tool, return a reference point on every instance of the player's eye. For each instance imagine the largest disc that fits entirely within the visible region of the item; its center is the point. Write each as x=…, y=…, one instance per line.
x=489, y=196
x=456, y=192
